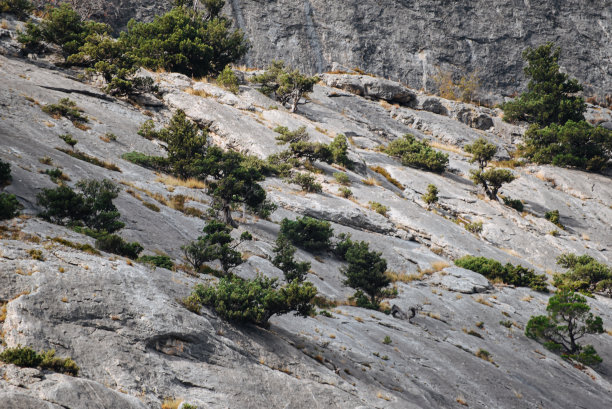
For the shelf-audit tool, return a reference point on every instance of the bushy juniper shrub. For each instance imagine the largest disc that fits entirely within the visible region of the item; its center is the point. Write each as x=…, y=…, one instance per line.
x=5, y=173
x=365, y=272
x=254, y=301
x=29, y=358
x=152, y=162
x=431, y=197
x=228, y=80
x=516, y=204
x=307, y=182
x=585, y=274
x=308, y=233
x=342, y=178
x=417, y=154
x=284, y=259
x=509, y=274
x=112, y=243
x=159, y=260
x=554, y=217
x=9, y=206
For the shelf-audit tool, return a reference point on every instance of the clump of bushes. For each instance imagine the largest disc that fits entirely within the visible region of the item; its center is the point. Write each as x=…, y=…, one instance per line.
x=254, y=301
x=516, y=204
x=345, y=192
x=307, y=182
x=284, y=260
x=568, y=319
x=65, y=108
x=228, y=80
x=585, y=274
x=308, y=233
x=431, y=197
x=288, y=86
x=159, y=260
x=417, y=154
x=554, y=217
x=20, y=8
x=27, y=357
x=112, y=243
x=518, y=276
x=490, y=179
x=342, y=178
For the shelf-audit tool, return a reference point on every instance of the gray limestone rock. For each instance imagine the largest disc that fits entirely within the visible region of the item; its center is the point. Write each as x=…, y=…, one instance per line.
x=461, y=280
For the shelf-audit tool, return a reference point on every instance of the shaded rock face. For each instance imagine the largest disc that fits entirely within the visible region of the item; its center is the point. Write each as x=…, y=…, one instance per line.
x=406, y=40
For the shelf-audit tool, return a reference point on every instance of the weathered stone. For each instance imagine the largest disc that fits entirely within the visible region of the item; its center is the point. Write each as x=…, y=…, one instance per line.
x=371, y=87
x=434, y=105
x=461, y=280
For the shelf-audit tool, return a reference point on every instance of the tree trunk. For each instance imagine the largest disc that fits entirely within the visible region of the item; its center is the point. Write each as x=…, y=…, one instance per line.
x=227, y=215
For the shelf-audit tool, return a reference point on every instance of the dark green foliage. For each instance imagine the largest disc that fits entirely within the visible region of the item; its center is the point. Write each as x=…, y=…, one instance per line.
x=56, y=175
x=228, y=80
x=66, y=108
x=311, y=151
x=551, y=95
x=162, y=261
x=308, y=233
x=9, y=206
x=482, y=152
x=366, y=271
x=255, y=301
x=27, y=357
x=342, y=178
x=288, y=86
x=339, y=151
x=186, y=146
x=573, y=144
x=431, y=196
x=491, y=180
x=509, y=274
x=233, y=182
x=61, y=205
x=417, y=154
x=5, y=173
x=216, y=244
x=343, y=244
x=19, y=8
x=152, y=162
x=68, y=139
x=287, y=136
x=345, y=192
x=111, y=243
x=553, y=217
x=584, y=274
x=568, y=320
x=307, y=182
x=513, y=203
x=284, y=260
x=195, y=43
x=147, y=130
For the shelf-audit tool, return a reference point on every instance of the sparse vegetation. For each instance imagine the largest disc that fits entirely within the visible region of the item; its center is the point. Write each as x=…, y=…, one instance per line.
x=553, y=217
x=417, y=154
x=514, y=203
x=284, y=260
x=228, y=80
x=27, y=357
x=382, y=171
x=159, y=260
x=379, y=208
x=431, y=197
x=490, y=179
x=342, y=178
x=567, y=321
x=65, y=108
x=112, y=243
x=345, y=192
x=474, y=227
x=509, y=274
x=307, y=182
x=91, y=159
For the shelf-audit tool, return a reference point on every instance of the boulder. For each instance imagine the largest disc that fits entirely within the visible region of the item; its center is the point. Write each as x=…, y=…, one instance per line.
x=371, y=87
x=461, y=280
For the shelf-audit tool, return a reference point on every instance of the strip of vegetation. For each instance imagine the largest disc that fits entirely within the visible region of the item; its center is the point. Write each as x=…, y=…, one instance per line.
x=90, y=159
x=382, y=171
x=87, y=248
x=518, y=276
x=417, y=154
x=27, y=357
x=161, y=261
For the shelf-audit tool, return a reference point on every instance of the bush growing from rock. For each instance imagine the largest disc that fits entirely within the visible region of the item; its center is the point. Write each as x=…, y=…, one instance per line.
x=228, y=80
x=66, y=108
x=27, y=357
x=162, y=261
x=345, y=192
x=490, y=179
x=568, y=320
x=308, y=233
x=5, y=173
x=19, y=8
x=287, y=136
x=287, y=86
x=111, y=243
x=379, y=208
x=584, y=274
x=365, y=271
x=339, y=151
x=514, y=203
x=254, y=301
x=431, y=196
x=284, y=260
x=482, y=152
x=9, y=206
x=417, y=154
x=342, y=178
x=152, y=162
x=307, y=182
x=509, y=274
x=553, y=217
x=101, y=213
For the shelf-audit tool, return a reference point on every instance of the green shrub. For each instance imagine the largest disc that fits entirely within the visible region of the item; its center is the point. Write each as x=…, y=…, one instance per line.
x=518, y=276
x=216, y=244
x=311, y=151
x=584, y=274
x=308, y=233
x=339, y=151
x=5, y=173
x=287, y=136
x=111, y=243
x=474, y=227
x=152, y=162
x=553, y=217
x=284, y=260
x=417, y=154
x=65, y=108
x=345, y=192
x=287, y=86
x=27, y=357
x=147, y=130
x=69, y=139
x=491, y=180
x=365, y=271
x=56, y=175
x=162, y=261
x=228, y=80
x=9, y=206
x=482, y=152
x=431, y=196
x=387, y=340
x=568, y=320
x=20, y=8
x=514, y=203
x=342, y=178
x=255, y=301
x=379, y=208
x=307, y=182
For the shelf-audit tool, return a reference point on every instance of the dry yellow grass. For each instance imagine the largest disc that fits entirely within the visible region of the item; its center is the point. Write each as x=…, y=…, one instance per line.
x=371, y=182
x=3, y=312
x=379, y=395
x=171, y=403
x=198, y=92
x=482, y=301
x=527, y=298
x=382, y=171
x=448, y=148
x=461, y=400
x=404, y=277
x=190, y=183
x=4, y=24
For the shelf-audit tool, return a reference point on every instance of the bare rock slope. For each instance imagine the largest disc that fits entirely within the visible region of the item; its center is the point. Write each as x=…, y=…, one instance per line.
x=137, y=345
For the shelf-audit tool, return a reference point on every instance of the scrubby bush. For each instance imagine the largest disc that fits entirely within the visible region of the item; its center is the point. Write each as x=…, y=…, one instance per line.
x=308, y=233
x=254, y=301
x=417, y=154
x=162, y=261
x=288, y=86
x=584, y=274
x=482, y=152
x=5, y=173
x=19, y=8
x=431, y=196
x=379, y=208
x=339, y=151
x=228, y=80
x=287, y=136
x=345, y=192
x=215, y=244
x=509, y=274
x=27, y=357
x=152, y=162
x=9, y=206
x=490, y=179
x=283, y=259
x=474, y=227
x=68, y=139
x=342, y=178
x=307, y=182
x=567, y=321
x=365, y=271
x=514, y=203
x=553, y=217
x=65, y=108
x=111, y=243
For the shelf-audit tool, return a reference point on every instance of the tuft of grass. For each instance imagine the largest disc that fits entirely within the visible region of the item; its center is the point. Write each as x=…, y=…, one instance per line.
x=387, y=340
x=91, y=159
x=481, y=300
x=371, y=182
x=484, y=354
x=199, y=92
x=461, y=400
x=171, y=403
x=78, y=246
x=36, y=254
x=191, y=183
x=151, y=206
x=379, y=208
x=382, y=171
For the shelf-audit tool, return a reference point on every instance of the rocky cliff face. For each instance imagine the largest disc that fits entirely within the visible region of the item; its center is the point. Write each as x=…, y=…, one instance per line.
x=408, y=40
x=123, y=322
